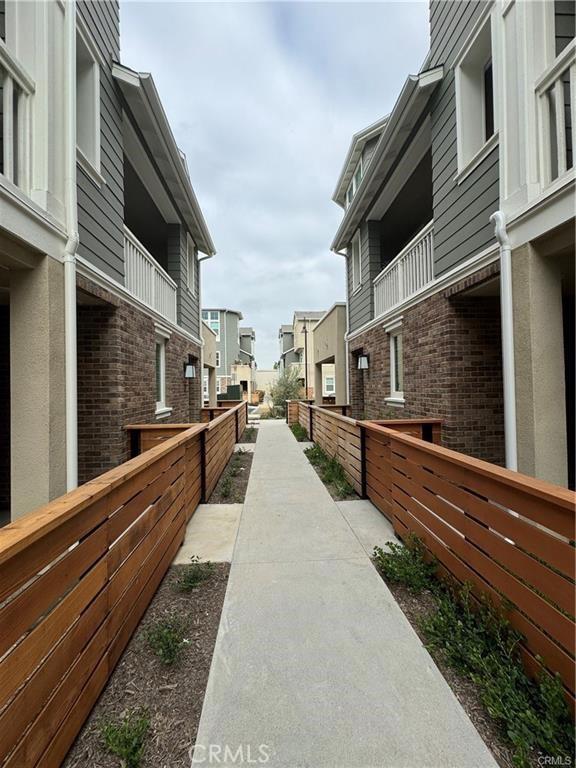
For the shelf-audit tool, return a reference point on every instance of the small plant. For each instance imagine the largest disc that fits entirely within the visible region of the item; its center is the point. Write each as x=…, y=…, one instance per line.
x=330, y=470
x=249, y=435
x=167, y=638
x=315, y=455
x=406, y=565
x=194, y=574
x=299, y=432
x=126, y=738
x=226, y=487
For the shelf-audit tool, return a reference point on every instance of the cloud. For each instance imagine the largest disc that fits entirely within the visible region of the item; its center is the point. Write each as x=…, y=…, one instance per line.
x=263, y=98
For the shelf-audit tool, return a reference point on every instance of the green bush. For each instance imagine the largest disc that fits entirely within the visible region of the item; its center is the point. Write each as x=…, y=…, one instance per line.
x=299, y=432
x=167, y=638
x=406, y=565
x=330, y=470
x=315, y=455
x=126, y=738
x=226, y=487
x=194, y=574
x=478, y=641
x=287, y=387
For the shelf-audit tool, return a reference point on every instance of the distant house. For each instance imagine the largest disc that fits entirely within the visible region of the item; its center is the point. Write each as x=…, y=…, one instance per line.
x=297, y=352
x=235, y=350
x=442, y=321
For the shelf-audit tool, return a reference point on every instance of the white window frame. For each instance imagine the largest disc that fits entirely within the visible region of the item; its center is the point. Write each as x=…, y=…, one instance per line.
x=356, y=271
x=212, y=316
x=160, y=343
x=471, y=142
x=191, y=265
x=329, y=392
x=217, y=358
x=90, y=158
x=205, y=386
x=396, y=394
x=218, y=385
x=353, y=186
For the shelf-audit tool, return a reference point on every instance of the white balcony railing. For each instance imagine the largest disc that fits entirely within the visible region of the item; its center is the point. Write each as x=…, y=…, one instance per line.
x=146, y=279
x=556, y=97
x=15, y=89
x=407, y=273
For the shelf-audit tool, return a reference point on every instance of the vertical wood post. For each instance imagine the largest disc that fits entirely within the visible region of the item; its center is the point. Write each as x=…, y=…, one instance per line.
x=237, y=425
x=203, y=465
x=363, y=462
x=310, y=423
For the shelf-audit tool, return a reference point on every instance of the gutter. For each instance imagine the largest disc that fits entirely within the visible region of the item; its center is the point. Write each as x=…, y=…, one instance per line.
x=70, y=333
x=507, y=330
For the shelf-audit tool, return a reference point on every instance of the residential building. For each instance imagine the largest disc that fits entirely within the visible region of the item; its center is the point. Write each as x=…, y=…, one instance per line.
x=449, y=317
x=296, y=349
x=100, y=243
x=330, y=364
x=235, y=364
x=209, y=389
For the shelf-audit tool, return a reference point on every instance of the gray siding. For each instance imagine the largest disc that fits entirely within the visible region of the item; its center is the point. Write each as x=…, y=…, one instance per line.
x=101, y=209
x=564, y=23
x=186, y=302
x=361, y=303
x=461, y=211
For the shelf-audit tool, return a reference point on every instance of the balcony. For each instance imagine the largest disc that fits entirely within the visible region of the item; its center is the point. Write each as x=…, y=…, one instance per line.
x=410, y=271
x=555, y=91
x=147, y=280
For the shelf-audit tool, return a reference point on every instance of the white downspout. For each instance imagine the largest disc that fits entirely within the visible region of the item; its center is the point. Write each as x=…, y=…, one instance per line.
x=70, y=255
x=507, y=331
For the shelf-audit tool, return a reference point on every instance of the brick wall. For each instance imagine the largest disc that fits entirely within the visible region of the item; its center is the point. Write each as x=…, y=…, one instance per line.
x=117, y=378
x=452, y=370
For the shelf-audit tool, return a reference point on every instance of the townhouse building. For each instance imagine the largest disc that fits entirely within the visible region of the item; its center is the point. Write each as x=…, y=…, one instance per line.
x=101, y=238
x=235, y=350
x=297, y=353
x=458, y=235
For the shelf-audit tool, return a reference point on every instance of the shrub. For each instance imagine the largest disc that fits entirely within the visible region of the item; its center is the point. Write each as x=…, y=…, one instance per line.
x=226, y=487
x=406, y=564
x=166, y=637
x=299, y=432
x=330, y=471
x=194, y=574
x=287, y=387
x=126, y=738
x=315, y=455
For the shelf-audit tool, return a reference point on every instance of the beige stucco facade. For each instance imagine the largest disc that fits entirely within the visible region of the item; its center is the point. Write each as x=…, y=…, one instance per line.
x=265, y=379
x=542, y=273
x=329, y=354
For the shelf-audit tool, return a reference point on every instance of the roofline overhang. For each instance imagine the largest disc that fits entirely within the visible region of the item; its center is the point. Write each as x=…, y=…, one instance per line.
x=353, y=155
x=140, y=92
x=407, y=110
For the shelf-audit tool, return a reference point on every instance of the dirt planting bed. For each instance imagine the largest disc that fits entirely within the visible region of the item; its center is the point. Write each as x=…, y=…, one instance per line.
x=231, y=488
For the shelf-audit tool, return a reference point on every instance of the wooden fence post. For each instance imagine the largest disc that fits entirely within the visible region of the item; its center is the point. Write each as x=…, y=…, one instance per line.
x=237, y=426
x=310, y=423
x=203, y=466
x=363, y=461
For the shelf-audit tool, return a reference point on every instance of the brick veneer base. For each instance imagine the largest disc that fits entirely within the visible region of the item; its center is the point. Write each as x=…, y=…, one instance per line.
x=452, y=369
x=117, y=379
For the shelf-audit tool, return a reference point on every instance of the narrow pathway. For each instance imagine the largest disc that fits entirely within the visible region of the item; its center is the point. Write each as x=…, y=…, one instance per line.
x=315, y=664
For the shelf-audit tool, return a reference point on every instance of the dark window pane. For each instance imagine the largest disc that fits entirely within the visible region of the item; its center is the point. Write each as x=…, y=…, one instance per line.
x=488, y=102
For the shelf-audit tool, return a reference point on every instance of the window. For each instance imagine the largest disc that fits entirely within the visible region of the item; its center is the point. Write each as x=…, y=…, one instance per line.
x=475, y=106
x=396, y=366
x=212, y=317
x=191, y=264
x=160, y=374
x=87, y=101
x=329, y=387
x=355, y=182
x=217, y=359
x=218, y=386
x=356, y=261
x=205, y=387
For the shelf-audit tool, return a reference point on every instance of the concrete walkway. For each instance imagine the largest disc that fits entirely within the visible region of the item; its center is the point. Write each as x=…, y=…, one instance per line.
x=315, y=664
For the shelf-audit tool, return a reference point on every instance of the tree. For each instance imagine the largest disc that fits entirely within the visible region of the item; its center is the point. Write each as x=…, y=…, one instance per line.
x=288, y=387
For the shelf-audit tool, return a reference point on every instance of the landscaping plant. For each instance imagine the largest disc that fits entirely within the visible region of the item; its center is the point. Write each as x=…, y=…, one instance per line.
x=476, y=639
x=287, y=387
x=406, y=565
x=299, y=432
x=330, y=471
x=194, y=574
x=167, y=638
x=126, y=738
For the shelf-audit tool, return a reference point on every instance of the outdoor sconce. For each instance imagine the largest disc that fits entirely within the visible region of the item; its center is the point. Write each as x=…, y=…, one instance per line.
x=362, y=362
x=189, y=371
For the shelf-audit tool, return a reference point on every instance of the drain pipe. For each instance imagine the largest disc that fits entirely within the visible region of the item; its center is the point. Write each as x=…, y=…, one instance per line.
x=507, y=331
x=70, y=255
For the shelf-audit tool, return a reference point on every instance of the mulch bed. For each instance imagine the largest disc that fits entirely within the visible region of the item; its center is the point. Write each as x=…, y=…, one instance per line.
x=172, y=695
x=415, y=608
x=249, y=435
x=231, y=487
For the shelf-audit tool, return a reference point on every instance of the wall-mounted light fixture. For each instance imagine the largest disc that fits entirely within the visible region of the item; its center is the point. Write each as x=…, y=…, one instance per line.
x=189, y=371
x=363, y=362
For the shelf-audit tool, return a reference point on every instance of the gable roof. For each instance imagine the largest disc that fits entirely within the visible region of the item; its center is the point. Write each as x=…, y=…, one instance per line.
x=357, y=144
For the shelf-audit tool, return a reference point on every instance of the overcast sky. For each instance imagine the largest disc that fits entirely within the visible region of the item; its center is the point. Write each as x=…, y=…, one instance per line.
x=263, y=98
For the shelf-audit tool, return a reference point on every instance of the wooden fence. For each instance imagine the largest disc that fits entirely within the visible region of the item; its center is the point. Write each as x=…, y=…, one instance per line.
x=509, y=535
x=75, y=578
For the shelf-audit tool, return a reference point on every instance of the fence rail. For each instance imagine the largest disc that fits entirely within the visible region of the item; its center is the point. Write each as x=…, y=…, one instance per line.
x=77, y=575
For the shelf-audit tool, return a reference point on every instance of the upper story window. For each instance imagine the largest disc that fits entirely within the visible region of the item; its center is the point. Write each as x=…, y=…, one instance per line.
x=475, y=113
x=217, y=359
x=329, y=387
x=356, y=261
x=191, y=264
x=212, y=318
x=355, y=182
x=87, y=100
